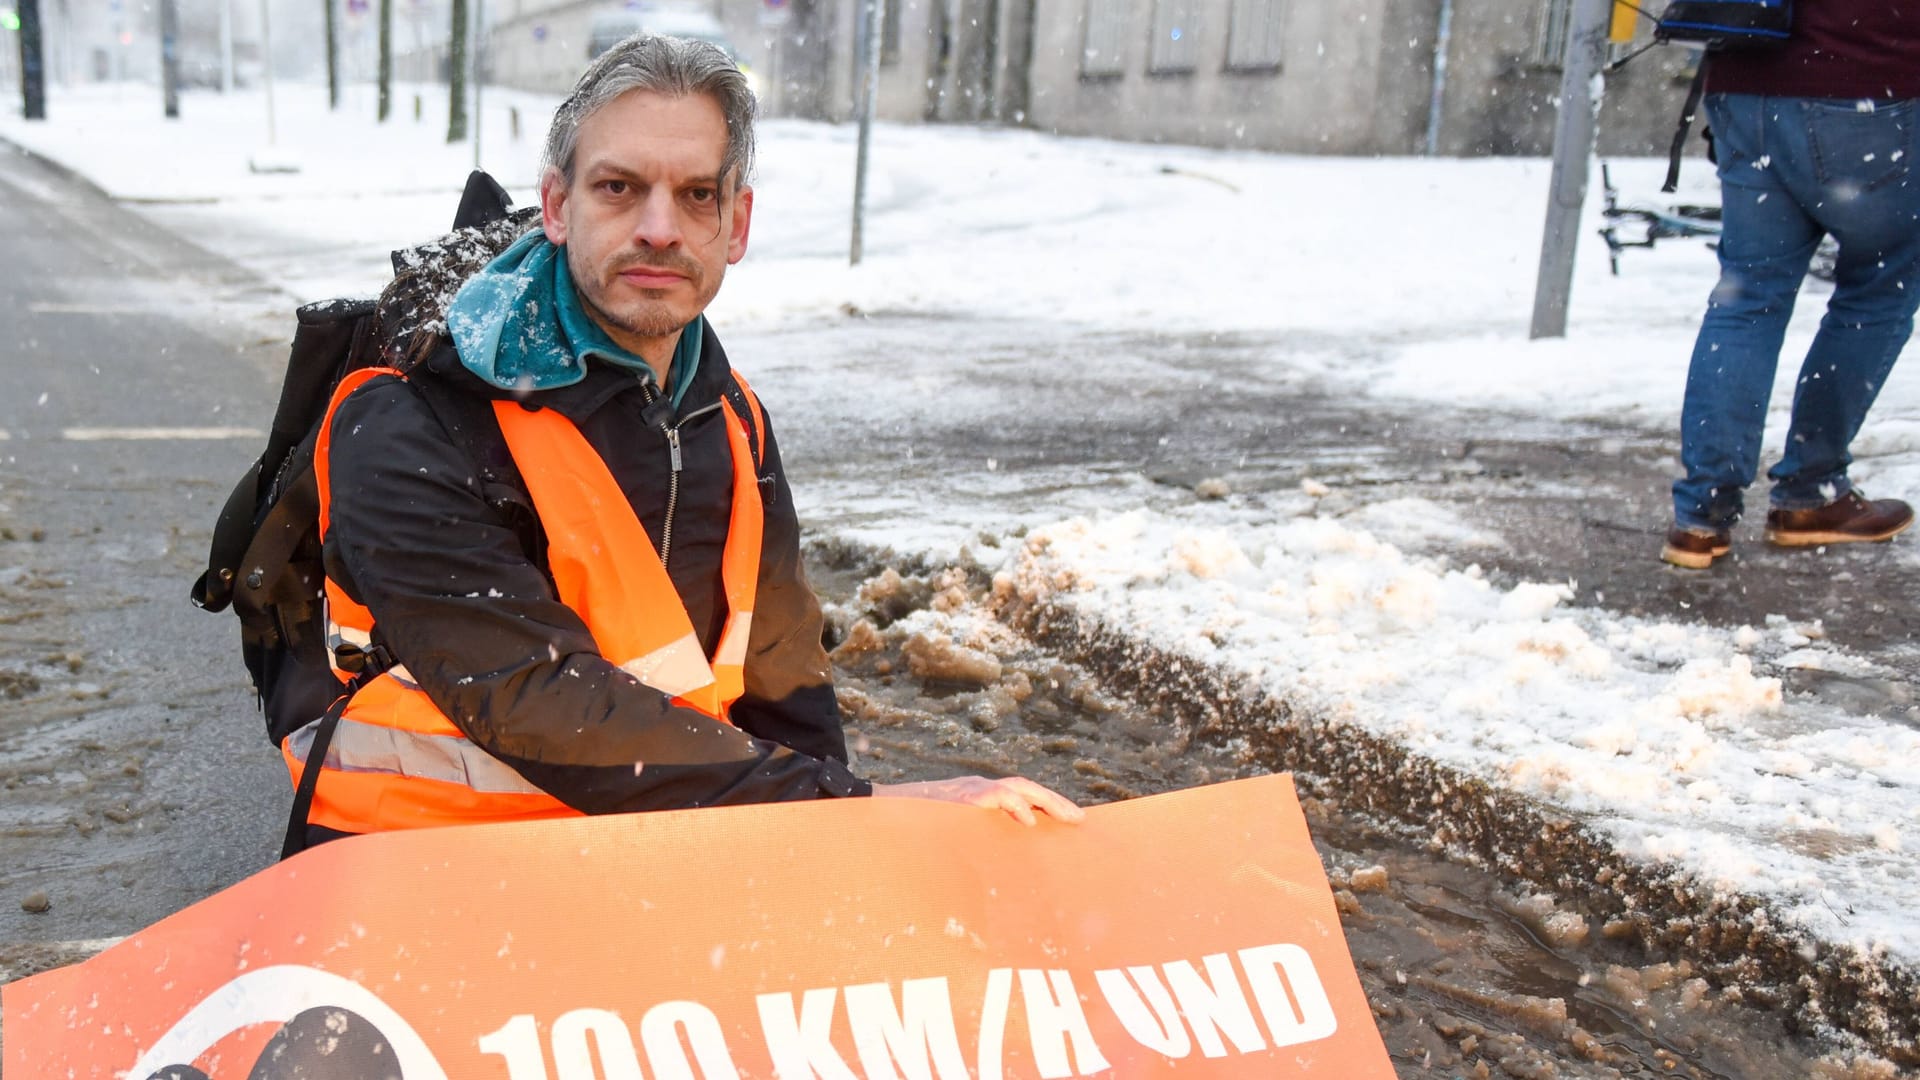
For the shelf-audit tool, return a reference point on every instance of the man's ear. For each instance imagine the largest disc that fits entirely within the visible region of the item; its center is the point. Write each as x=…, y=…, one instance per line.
x=553, y=199
x=742, y=224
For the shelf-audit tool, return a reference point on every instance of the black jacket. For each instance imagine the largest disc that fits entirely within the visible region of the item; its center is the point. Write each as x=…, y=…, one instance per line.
x=432, y=532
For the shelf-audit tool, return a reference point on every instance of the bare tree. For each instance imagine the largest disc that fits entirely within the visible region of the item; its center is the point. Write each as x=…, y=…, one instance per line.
x=33, y=75
x=386, y=60
x=457, y=81
x=333, y=57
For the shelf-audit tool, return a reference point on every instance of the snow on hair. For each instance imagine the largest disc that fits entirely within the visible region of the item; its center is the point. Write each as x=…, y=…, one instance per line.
x=676, y=67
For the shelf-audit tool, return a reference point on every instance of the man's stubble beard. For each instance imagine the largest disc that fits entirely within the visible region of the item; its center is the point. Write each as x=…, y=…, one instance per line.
x=651, y=316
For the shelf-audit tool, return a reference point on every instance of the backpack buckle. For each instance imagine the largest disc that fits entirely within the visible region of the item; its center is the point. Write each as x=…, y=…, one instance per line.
x=362, y=663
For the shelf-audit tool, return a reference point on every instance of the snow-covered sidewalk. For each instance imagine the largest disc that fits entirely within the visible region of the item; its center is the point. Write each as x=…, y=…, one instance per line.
x=1404, y=279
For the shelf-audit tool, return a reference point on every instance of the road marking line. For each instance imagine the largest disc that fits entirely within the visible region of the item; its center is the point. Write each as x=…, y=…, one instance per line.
x=105, y=434
x=52, y=307
x=66, y=952
x=86, y=945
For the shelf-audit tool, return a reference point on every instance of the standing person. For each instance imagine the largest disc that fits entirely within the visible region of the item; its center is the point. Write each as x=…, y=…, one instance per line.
x=1819, y=136
x=565, y=540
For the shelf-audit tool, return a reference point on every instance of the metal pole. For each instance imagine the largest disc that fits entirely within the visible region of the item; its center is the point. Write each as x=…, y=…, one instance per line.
x=997, y=22
x=873, y=16
x=1442, y=41
x=333, y=54
x=170, y=58
x=479, y=74
x=33, y=73
x=1573, y=133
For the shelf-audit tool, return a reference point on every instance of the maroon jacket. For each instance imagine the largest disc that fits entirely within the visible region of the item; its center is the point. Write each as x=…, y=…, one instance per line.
x=1839, y=49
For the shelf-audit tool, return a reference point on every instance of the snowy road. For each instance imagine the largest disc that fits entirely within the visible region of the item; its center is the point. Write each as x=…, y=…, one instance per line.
x=129, y=753
x=1234, y=470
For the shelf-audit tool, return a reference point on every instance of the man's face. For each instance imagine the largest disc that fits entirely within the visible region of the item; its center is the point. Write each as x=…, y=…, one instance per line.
x=649, y=223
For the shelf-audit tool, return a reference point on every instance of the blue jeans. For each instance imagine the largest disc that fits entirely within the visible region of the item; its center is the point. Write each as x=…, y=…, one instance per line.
x=1791, y=171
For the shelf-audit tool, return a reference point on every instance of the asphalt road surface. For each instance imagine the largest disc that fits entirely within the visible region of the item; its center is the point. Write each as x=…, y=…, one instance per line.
x=132, y=777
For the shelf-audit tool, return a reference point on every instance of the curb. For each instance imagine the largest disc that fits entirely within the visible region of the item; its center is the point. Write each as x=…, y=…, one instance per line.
x=1730, y=937
x=58, y=167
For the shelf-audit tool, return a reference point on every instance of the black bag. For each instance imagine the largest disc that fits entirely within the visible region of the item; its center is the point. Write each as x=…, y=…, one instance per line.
x=265, y=557
x=1719, y=25
x=264, y=561
x=1716, y=26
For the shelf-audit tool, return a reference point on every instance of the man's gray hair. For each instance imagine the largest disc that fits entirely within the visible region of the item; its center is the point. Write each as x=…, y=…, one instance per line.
x=675, y=67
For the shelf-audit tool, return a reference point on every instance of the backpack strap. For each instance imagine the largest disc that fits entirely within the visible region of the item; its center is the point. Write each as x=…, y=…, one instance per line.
x=469, y=421
x=1687, y=113
x=296, y=838
x=747, y=407
x=329, y=338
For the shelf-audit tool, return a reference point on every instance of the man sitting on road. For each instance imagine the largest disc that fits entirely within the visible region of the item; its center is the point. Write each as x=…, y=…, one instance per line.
x=566, y=536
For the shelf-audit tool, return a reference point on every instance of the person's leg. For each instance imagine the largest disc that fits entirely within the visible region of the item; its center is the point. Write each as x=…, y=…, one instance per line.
x=1765, y=245
x=1861, y=184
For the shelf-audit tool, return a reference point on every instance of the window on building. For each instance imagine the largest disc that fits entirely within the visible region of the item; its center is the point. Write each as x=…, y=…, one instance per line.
x=1103, y=54
x=889, y=35
x=1253, y=35
x=1176, y=37
x=1550, y=40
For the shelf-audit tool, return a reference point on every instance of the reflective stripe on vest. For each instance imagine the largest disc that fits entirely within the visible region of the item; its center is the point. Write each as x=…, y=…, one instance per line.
x=397, y=762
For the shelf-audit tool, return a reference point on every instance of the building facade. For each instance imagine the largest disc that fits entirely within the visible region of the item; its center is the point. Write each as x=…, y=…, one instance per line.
x=1453, y=77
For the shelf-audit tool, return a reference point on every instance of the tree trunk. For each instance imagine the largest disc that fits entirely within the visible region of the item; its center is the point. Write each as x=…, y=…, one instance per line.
x=33, y=75
x=170, y=58
x=333, y=58
x=386, y=60
x=457, y=82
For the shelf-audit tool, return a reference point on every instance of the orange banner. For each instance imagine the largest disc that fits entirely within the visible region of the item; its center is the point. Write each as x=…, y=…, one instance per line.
x=1189, y=934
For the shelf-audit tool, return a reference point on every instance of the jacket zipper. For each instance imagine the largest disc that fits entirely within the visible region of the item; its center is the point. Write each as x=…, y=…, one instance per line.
x=672, y=432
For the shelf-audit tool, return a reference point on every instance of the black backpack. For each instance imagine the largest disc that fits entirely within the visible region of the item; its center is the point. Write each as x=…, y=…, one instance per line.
x=264, y=560
x=265, y=557
x=1726, y=24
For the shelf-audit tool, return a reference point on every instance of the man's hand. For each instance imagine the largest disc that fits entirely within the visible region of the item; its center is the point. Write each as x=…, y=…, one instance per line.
x=1015, y=794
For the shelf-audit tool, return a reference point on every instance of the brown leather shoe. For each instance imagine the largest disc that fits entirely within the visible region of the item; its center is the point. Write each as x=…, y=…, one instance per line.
x=1848, y=519
x=1696, y=549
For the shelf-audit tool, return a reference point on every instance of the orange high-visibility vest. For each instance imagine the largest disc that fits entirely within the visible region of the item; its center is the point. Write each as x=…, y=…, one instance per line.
x=397, y=762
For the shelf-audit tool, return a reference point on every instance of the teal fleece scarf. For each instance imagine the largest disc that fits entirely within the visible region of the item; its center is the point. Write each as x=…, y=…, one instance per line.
x=519, y=325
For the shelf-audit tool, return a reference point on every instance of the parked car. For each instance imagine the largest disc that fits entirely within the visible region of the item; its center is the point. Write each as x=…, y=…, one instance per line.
x=610, y=26
x=613, y=25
